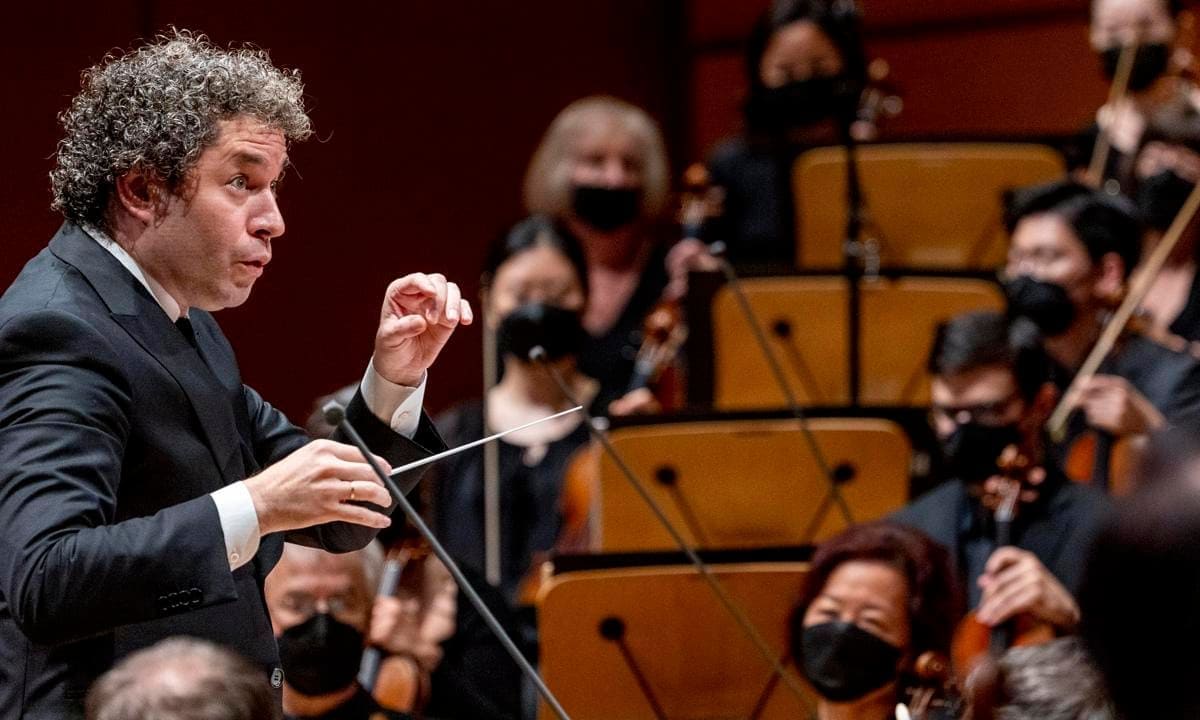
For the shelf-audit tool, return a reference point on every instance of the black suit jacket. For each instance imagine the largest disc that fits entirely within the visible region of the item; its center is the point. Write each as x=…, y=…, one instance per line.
x=1058, y=529
x=113, y=430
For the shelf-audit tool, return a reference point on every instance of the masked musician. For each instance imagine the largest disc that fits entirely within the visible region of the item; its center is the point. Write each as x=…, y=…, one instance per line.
x=1071, y=252
x=1158, y=77
x=806, y=69
x=1165, y=170
x=991, y=390
x=601, y=171
x=875, y=599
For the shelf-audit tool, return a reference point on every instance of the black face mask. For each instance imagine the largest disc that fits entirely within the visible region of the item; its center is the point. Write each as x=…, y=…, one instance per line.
x=843, y=662
x=558, y=330
x=972, y=450
x=1149, y=63
x=1160, y=197
x=1046, y=304
x=801, y=103
x=606, y=208
x=320, y=655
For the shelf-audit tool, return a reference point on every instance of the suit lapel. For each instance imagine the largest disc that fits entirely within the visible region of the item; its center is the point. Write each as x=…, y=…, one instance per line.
x=139, y=314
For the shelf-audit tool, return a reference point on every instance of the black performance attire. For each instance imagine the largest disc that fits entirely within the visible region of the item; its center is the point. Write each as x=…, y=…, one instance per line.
x=1058, y=528
x=530, y=490
x=113, y=431
x=757, y=223
x=476, y=677
x=1169, y=380
x=609, y=357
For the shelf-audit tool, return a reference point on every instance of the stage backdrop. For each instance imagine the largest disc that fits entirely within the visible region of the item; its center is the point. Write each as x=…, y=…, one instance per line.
x=425, y=116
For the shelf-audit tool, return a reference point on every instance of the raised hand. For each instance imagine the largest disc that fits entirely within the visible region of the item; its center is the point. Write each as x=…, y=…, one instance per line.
x=419, y=314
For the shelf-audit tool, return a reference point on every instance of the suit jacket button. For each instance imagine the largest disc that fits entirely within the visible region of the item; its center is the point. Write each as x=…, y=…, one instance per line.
x=277, y=678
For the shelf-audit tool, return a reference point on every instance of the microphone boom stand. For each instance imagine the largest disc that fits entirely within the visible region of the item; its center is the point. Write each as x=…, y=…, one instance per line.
x=335, y=415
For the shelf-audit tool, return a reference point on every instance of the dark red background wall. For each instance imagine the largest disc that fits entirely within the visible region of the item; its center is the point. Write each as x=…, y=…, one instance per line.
x=427, y=113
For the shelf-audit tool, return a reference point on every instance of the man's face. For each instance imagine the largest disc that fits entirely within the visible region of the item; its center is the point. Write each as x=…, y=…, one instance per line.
x=1045, y=247
x=309, y=582
x=212, y=241
x=987, y=396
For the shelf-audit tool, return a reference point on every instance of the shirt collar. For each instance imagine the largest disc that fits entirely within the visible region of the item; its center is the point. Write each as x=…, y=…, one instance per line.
x=169, y=305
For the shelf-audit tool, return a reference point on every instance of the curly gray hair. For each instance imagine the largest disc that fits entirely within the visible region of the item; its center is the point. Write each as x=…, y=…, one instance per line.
x=157, y=108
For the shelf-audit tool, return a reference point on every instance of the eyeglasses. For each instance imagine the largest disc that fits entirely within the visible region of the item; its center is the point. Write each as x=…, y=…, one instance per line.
x=993, y=413
x=343, y=607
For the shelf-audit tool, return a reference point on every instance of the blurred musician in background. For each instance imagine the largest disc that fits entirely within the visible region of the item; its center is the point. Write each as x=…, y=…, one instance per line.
x=535, y=292
x=991, y=390
x=1055, y=680
x=1164, y=172
x=1142, y=587
x=1071, y=252
x=601, y=170
x=806, y=70
x=320, y=605
x=1160, y=75
x=875, y=599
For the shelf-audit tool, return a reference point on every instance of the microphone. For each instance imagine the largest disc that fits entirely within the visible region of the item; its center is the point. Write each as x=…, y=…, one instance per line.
x=333, y=411
x=538, y=355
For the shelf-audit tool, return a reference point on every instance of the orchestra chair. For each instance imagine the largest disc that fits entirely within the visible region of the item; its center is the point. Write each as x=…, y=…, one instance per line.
x=930, y=205
x=747, y=483
x=806, y=323
x=616, y=643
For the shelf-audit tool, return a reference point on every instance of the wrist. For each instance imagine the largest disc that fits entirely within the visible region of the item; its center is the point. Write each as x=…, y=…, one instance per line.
x=410, y=380
x=254, y=486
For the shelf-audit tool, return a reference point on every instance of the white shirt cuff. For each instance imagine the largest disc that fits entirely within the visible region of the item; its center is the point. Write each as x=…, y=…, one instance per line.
x=397, y=405
x=239, y=523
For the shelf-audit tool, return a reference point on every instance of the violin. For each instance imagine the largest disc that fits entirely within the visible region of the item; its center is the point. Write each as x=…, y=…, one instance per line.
x=976, y=647
x=1100, y=458
x=390, y=680
x=934, y=694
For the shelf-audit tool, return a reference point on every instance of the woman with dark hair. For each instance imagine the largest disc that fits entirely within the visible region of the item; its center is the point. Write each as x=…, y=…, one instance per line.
x=876, y=598
x=806, y=70
x=534, y=291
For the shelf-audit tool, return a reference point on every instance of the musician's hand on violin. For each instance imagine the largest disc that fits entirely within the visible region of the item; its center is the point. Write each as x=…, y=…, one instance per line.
x=419, y=314
x=1015, y=582
x=636, y=402
x=993, y=488
x=395, y=624
x=1111, y=404
x=687, y=255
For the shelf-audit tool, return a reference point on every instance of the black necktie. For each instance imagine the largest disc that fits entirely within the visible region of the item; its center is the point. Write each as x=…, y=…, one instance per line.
x=188, y=332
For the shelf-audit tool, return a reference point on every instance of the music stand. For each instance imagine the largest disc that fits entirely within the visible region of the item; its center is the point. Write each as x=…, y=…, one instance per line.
x=931, y=205
x=805, y=317
x=748, y=483
x=654, y=643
